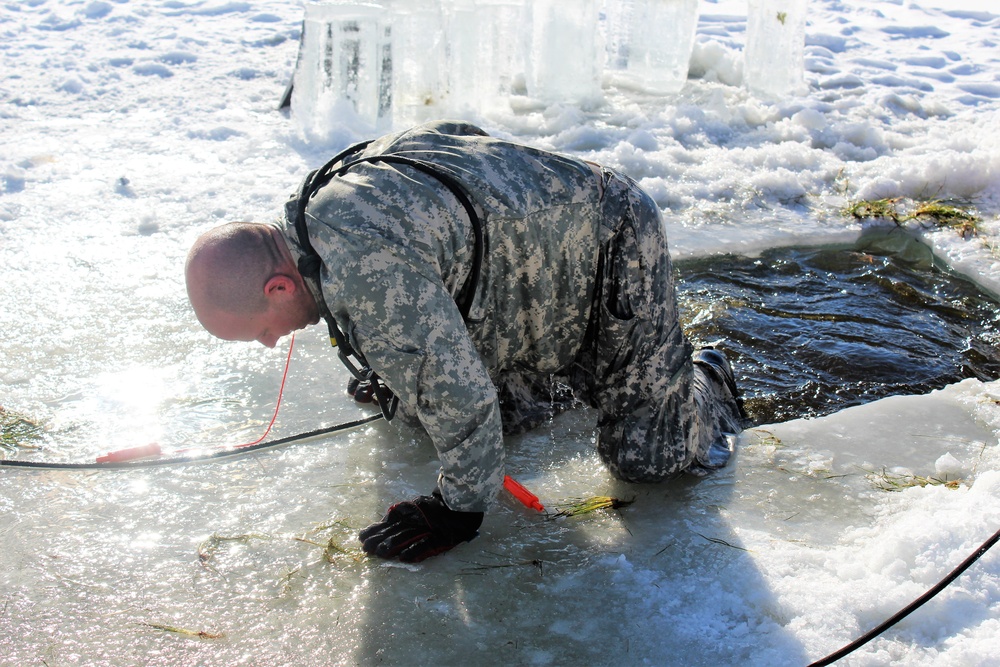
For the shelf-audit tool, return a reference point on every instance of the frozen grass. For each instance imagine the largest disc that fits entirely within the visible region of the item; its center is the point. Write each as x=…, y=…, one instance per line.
x=954, y=215
x=18, y=430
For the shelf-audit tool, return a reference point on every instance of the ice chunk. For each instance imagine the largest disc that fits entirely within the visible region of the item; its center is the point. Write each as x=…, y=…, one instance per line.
x=564, y=64
x=657, y=46
x=948, y=466
x=463, y=25
x=344, y=73
x=613, y=33
x=418, y=60
x=774, y=56
x=486, y=45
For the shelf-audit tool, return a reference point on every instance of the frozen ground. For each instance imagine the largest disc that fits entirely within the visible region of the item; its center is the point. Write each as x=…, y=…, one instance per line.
x=128, y=127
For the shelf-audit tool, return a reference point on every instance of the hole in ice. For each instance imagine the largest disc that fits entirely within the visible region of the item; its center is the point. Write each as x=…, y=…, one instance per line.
x=814, y=330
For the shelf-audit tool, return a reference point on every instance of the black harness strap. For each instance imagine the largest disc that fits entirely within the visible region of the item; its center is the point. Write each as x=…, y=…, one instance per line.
x=310, y=262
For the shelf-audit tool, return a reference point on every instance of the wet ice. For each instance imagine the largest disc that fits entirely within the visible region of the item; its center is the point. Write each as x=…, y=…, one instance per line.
x=94, y=315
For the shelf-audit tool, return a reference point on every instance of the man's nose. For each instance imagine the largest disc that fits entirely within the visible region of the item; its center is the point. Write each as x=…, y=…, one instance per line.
x=268, y=340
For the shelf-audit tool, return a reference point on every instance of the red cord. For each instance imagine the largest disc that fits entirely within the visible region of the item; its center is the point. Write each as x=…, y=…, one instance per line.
x=281, y=391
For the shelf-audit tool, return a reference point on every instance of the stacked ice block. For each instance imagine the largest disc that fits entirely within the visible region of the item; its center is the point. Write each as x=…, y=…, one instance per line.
x=400, y=62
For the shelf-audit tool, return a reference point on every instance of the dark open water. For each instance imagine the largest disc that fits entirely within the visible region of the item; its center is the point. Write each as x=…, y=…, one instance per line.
x=814, y=330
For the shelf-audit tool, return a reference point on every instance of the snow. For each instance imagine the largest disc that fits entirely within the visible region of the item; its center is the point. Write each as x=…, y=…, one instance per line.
x=131, y=126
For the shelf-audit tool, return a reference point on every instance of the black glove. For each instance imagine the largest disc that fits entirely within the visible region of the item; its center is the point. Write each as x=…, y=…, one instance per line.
x=420, y=528
x=363, y=391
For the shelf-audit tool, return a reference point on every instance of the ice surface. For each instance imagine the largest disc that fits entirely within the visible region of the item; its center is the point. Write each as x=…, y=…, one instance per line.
x=117, y=153
x=261, y=552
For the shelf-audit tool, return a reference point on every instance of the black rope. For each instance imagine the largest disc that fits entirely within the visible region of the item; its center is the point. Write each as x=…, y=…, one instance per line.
x=226, y=453
x=903, y=613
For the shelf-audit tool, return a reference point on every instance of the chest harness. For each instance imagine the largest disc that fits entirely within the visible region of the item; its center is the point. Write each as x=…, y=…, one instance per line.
x=309, y=263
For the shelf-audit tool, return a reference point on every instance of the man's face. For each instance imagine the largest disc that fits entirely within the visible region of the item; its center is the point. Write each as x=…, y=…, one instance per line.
x=286, y=312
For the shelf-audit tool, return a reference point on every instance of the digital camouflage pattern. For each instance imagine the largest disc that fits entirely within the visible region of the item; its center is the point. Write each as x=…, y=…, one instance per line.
x=397, y=247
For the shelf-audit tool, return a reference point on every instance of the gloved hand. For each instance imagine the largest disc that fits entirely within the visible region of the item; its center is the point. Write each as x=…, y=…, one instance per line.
x=420, y=528
x=364, y=391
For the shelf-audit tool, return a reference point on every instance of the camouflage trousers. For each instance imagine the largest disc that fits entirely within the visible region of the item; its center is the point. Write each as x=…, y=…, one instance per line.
x=658, y=413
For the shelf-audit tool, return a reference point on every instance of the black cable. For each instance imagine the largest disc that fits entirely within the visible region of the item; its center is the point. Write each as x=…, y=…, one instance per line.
x=226, y=453
x=903, y=613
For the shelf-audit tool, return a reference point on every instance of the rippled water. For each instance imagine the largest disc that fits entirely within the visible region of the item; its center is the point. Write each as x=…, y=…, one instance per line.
x=814, y=330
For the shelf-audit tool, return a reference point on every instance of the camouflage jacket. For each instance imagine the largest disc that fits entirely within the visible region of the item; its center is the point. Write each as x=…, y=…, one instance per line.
x=397, y=247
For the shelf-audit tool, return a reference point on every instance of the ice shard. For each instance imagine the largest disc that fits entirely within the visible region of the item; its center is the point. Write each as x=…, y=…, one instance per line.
x=774, y=55
x=565, y=62
x=658, y=45
x=344, y=73
x=419, y=82
x=486, y=42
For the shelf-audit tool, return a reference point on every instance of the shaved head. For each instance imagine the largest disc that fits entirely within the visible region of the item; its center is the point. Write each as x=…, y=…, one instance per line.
x=228, y=267
x=244, y=284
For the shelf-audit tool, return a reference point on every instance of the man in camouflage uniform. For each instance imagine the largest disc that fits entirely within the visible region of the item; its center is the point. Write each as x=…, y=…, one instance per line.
x=575, y=285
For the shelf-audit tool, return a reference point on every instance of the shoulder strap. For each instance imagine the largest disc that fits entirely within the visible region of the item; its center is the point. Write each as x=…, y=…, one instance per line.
x=467, y=294
x=309, y=266
x=310, y=262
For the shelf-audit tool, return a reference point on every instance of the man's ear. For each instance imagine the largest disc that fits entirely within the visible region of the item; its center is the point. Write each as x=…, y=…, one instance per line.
x=279, y=285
